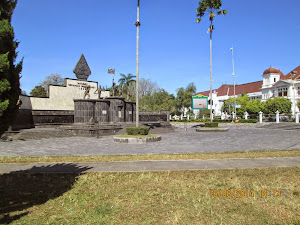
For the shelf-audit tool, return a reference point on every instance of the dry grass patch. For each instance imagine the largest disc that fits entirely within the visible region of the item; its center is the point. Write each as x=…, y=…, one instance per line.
x=110, y=158
x=177, y=197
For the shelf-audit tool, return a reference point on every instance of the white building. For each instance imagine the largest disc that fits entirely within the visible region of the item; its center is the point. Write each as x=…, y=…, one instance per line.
x=274, y=84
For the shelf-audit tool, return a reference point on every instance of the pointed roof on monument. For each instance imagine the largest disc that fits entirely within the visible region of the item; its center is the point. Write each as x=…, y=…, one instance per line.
x=82, y=69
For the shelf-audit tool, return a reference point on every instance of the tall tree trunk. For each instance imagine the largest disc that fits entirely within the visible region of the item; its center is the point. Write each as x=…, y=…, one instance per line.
x=211, y=116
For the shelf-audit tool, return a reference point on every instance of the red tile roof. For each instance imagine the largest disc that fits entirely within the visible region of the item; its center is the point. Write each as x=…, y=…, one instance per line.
x=293, y=77
x=227, y=89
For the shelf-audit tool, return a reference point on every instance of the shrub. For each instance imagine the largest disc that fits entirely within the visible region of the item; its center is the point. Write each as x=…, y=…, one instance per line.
x=222, y=121
x=137, y=130
x=213, y=124
x=248, y=121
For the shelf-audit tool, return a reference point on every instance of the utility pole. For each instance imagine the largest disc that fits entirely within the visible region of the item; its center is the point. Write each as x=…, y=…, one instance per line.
x=231, y=49
x=137, y=24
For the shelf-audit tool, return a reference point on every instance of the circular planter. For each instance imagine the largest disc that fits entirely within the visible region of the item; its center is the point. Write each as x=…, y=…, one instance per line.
x=139, y=140
x=212, y=129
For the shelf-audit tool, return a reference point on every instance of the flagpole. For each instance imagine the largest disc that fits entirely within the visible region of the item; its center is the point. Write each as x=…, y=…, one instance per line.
x=137, y=23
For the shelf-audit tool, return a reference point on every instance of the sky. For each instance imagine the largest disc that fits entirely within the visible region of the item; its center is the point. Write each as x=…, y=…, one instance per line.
x=174, y=49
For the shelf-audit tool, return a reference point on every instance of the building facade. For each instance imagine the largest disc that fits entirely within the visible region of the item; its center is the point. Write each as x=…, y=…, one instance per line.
x=274, y=84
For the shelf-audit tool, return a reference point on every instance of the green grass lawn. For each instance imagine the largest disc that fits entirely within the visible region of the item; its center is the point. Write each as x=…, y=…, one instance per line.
x=177, y=197
x=110, y=158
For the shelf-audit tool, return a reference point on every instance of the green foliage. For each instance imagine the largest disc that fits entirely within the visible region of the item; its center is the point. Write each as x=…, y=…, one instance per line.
x=137, y=130
x=41, y=90
x=9, y=71
x=204, y=113
x=298, y=104
x=251, y=106
x=212, y=7
x=213, y=124
x=125, y=82
x=38, y=91
x=283, y=105
x=222, y=121
x=248, y=121
x=158, y=101
x=152, y=97
x=53, y=79
x=184, y=96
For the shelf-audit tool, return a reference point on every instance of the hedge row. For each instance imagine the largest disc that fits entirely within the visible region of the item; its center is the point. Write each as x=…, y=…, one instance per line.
x=248, y=121
x=216, y=120
x=213, y=124
x=137, y=130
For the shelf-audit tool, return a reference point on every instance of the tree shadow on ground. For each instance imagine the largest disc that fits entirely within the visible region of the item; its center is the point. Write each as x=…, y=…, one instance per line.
x=21, y=190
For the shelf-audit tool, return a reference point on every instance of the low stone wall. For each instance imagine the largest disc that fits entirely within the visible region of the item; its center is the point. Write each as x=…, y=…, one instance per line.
x=154, y=116
x=104, y=111
x=24, y=120
x=53, y=116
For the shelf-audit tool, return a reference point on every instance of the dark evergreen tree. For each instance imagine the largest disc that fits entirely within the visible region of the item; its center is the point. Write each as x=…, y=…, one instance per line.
x=9, y=71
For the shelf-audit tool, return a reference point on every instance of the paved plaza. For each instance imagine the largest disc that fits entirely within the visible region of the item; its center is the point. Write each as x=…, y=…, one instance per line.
x=181, y=141
x=149, y=165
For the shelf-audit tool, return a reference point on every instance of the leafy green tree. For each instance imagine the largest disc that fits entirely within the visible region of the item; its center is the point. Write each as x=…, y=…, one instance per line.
x=125, y=82
x=298, y=104
x=38, y=91
x=159, y=100
x=247, y=105
x=283, y=105
x=41, y=90
x=204, y=113
x=146, y=88
x=212, y=7
x=184, y=96
x=9, y=71
x=53, y=79
x=254, y=106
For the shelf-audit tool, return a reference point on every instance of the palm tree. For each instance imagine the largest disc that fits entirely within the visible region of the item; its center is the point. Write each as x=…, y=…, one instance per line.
x=125, y=81
x=212, y=7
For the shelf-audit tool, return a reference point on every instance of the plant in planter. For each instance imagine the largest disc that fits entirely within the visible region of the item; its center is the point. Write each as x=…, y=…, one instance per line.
x=213, y=124
x=137, y=130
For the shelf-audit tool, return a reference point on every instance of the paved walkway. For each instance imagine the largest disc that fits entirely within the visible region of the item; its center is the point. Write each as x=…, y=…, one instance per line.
x=181, y=141
x=149, y=165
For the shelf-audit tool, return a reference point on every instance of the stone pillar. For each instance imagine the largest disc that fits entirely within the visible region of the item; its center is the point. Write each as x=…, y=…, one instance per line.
x=246, y=115
x=188, y=116
x=260, y=116
x=297, y=117
x=181, y=117
x=277, y=116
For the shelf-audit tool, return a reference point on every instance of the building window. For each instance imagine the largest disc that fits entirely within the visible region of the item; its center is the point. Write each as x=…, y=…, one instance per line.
x=282, y=91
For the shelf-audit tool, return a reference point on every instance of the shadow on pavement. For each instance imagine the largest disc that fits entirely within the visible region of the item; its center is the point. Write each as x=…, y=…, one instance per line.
x=23, y=189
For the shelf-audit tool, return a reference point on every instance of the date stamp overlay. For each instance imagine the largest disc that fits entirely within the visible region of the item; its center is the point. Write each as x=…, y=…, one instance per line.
x=244, y=193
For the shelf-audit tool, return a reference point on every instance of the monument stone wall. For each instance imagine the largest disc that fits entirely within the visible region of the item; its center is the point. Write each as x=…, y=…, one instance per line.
x=61, y=97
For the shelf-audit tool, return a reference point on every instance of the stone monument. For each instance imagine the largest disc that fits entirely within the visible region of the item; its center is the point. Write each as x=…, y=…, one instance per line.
x=82, y=69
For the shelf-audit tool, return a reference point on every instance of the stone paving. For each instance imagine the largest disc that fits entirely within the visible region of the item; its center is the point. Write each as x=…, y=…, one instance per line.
x=149, y=165
x=238, y=138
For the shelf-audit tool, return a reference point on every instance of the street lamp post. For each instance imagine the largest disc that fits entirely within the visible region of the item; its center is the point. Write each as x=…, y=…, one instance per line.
x=137, y=24
x=231, y=49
